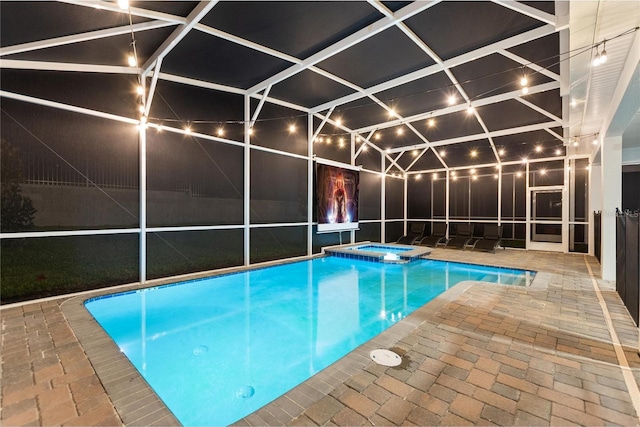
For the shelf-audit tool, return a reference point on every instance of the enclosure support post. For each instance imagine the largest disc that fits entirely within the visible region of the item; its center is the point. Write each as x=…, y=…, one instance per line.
x=611, y=178
x=247, y=179
x=527, y=207
x=499, y=194
x=352, y=233
x=143, y=204
x=383, y=200
x=310, y=194
x=405, y=204
x=470, y=180
x=568, y=208
x=447, y=199
x=595, y=204
x=142, y=188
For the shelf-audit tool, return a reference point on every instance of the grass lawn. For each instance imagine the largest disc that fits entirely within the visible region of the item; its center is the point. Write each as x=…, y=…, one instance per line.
x=35, y=268
x=41, y=267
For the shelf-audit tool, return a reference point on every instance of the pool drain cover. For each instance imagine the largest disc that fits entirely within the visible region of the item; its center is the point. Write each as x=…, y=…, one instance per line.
x=385, y=357
x=200, y=350
x=245, y=392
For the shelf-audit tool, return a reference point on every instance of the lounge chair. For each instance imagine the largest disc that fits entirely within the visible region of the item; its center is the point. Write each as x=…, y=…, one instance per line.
x=463, y=236
x=415, y=233
x=438, y=235
x=491, y=239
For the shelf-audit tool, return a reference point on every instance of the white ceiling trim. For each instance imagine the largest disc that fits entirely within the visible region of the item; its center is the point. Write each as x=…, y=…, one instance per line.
x=576, y=128
x=628, y=71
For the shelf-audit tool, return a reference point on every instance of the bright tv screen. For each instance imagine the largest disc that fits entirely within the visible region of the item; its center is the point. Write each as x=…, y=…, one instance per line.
x=337, y=197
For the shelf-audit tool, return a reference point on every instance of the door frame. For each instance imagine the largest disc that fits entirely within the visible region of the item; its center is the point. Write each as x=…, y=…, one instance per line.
x=563, y=245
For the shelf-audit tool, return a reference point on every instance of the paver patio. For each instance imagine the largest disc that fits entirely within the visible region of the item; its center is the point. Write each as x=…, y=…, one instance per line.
x=479, y=354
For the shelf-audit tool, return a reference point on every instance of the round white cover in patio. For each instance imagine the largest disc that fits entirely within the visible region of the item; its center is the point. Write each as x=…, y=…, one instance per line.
x=385, y=357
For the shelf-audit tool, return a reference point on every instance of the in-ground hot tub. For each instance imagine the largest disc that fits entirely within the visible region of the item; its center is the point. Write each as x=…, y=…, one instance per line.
x=379, y=252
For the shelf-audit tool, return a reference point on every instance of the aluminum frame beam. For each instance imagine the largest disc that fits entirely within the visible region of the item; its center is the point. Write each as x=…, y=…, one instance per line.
x=479, y=136
x=79, y=38
x=460, y=107
x=179, y=33
x=449, y=63
x=357, y=37
x=531, y=12
x=135, y=11
x=17, y=64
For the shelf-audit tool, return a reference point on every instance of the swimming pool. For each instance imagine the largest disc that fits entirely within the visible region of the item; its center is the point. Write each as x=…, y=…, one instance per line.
x=217, y=349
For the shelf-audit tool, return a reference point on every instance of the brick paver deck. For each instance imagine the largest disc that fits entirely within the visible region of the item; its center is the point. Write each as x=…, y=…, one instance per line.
x=479, y=354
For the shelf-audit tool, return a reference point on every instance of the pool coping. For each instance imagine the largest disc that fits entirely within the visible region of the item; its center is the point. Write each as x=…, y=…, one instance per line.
x=138, y=404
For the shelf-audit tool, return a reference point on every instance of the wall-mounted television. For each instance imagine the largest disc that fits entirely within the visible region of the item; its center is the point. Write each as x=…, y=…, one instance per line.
x=336, y=186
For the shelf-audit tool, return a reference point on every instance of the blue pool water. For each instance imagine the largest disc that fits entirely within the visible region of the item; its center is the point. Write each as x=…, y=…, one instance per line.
x=217, y=349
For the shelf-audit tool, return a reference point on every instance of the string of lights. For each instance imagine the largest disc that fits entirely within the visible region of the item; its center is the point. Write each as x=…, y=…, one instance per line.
x=340, y=137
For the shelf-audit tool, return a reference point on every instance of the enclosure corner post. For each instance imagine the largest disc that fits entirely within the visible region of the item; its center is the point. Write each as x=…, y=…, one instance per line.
x=247, y=179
